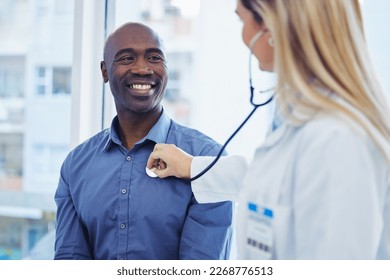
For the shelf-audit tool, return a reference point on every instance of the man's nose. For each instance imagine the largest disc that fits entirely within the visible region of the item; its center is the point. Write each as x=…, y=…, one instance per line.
x=141, y=68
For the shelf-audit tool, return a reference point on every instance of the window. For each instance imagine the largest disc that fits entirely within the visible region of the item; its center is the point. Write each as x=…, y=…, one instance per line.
x=11, y=158
x=48, y=159
x=11, y=76
x=35, y=62
x=53, y=80
x=61, y=80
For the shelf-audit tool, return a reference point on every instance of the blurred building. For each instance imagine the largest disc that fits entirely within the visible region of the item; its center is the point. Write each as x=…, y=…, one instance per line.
x=35, y=87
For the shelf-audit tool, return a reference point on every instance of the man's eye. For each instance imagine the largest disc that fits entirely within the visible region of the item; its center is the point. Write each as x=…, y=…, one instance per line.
x=126, y=59
x=155, y=58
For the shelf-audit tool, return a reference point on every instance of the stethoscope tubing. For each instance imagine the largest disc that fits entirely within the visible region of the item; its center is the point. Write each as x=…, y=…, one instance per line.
x=255, y=107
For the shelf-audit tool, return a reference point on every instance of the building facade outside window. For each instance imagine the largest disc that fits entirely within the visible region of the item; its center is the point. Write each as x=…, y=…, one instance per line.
x=35, y=61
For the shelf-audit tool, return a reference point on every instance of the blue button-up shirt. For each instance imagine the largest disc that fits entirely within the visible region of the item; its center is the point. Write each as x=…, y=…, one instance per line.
x=108, y=208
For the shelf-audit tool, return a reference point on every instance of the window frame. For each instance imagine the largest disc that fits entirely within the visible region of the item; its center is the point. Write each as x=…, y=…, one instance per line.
x=91, y=108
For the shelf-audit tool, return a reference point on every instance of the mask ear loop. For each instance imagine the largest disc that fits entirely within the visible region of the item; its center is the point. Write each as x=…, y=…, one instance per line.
x=252, y=89
x=255, y=38
x=251, y=45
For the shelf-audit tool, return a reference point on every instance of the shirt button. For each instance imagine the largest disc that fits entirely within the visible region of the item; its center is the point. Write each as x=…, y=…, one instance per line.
x=122, y=226
x=123, y=191
x=128, y=158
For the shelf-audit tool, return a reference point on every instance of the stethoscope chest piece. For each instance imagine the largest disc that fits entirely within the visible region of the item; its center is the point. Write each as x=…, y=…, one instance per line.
x=150, y=173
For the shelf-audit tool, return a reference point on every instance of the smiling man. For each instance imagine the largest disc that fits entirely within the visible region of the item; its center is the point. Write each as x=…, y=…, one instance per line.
x=107, y=206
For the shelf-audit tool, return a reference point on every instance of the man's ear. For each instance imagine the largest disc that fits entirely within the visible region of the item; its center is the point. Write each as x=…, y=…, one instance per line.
x=103, y=68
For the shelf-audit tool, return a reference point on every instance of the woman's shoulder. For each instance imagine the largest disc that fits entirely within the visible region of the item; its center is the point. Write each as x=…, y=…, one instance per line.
x=333, y=136
x=330, y=127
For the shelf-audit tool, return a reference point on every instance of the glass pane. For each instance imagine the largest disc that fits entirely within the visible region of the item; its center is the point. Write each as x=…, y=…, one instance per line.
x=41, y=72
x=62, y=80
x=34, y=131
x=11, y=76
x=41, y=90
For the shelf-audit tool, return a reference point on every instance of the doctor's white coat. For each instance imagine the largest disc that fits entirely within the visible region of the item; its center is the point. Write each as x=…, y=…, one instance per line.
x=316, y=191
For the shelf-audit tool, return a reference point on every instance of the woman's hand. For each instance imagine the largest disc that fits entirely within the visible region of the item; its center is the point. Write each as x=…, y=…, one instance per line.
x=168, y=160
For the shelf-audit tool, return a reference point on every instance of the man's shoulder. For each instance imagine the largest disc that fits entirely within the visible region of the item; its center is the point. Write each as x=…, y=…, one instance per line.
x=98, y=141
x=192, y=140
x=190, y=132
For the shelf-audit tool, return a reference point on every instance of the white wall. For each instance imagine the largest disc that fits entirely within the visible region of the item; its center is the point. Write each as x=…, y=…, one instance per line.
x=221, y=99
x=376, y=22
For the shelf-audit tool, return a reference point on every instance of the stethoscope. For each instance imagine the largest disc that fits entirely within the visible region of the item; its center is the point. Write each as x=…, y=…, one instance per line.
x=255, y=105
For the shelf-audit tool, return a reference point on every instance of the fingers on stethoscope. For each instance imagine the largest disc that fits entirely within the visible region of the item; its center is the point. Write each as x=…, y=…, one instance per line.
x=155, y=167
x=161, y=171
x=154, y=157
x=152, y=160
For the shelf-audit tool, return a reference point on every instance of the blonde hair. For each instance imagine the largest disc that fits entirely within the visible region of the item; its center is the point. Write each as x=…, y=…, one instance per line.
x=322, y=41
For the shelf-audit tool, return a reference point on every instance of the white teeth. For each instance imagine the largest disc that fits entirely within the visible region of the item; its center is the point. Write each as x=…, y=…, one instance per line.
x=139, y=86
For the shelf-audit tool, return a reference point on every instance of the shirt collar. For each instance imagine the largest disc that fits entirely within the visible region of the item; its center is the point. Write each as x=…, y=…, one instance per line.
x=158, y=133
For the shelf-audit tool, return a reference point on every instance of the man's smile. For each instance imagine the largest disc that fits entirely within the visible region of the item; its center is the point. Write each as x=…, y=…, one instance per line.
x=140, y=86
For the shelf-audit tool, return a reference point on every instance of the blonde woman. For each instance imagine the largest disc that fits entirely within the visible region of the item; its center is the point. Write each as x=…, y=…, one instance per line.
x=319, y=186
